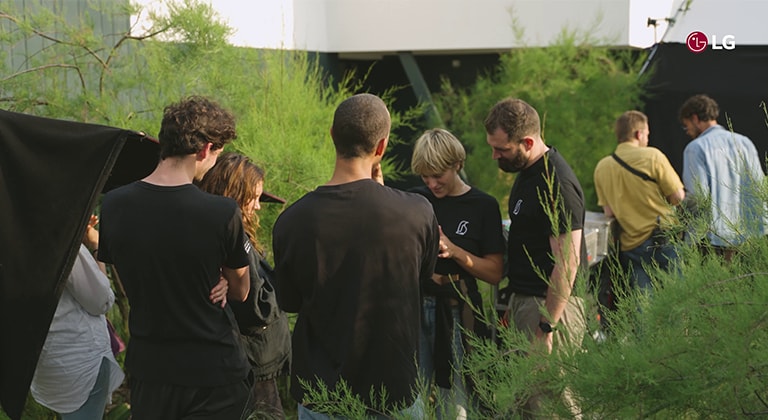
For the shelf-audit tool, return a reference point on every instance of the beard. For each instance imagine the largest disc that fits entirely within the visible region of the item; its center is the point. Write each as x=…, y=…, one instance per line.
x=516, y=164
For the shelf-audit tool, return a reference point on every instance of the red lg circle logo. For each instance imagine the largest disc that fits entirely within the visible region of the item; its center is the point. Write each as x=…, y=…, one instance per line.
x=696, y=42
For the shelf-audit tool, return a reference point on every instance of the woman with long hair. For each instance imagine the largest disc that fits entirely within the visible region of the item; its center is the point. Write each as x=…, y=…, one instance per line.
x=264, y=330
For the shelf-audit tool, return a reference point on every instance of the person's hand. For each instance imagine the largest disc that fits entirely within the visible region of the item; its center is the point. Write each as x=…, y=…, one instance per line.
x=446, y=246
x=219, y=292
x=91, y=236
x=542, y=342
x=377, y=174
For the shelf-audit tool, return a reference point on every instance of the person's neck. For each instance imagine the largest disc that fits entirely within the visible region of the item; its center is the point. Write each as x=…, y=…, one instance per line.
x=351, y=170
x=173, y=171
x=538, y=151
x=703, y=126
x=459, y=188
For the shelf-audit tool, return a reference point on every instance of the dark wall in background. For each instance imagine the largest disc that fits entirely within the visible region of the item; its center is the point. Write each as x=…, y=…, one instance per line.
x=737, y=79
x=385, y=73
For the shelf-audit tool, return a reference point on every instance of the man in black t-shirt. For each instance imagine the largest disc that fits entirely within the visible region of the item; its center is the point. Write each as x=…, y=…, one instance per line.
x=349, y=257
x=546, y=211
x=170, y=243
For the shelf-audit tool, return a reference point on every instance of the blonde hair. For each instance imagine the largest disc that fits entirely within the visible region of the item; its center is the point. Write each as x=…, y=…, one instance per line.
x=436, y=151
x=628, y=124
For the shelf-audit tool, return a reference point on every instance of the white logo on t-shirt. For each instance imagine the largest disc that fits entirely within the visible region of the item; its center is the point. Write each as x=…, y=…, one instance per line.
x=517, y=207
x=247, y=246
x=462, y=229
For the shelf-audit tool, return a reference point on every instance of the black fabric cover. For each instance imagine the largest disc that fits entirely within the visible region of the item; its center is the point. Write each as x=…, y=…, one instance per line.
x=736, y=79
x=52, y=173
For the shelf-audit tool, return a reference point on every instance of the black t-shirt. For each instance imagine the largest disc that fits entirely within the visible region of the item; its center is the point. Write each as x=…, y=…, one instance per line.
x=530, y=227
x=168, y=245
x=472, y=221
x=349, y=259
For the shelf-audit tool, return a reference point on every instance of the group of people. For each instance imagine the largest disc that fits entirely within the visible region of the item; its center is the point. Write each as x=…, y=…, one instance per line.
x=721, y=184
x=384, y=281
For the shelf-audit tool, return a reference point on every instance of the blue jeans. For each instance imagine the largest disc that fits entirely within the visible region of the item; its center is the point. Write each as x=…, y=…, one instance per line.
x=426, y=359
x=415, y=411
x=644, y=255
x=94, y=406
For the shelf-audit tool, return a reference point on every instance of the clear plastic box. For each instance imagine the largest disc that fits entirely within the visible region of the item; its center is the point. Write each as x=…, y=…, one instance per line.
x=605, y=227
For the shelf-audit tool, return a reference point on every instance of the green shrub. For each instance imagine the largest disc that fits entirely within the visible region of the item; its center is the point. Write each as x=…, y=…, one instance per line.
x=578, y=89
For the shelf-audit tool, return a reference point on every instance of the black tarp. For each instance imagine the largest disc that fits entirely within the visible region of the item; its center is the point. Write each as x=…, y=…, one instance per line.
x=52, y=174
x=737, y=79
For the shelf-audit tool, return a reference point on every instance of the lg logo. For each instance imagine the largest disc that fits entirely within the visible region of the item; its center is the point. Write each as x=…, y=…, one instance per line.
x=697, y=42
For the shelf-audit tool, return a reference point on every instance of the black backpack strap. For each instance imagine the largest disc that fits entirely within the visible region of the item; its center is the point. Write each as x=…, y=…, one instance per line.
x=626, y=166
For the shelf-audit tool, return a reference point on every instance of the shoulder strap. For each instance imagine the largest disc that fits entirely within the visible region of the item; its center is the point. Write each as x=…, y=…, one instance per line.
x=626, y=166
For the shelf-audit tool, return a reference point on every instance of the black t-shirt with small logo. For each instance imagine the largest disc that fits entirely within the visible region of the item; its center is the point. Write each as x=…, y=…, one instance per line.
x=552, y=183
x=472, y=221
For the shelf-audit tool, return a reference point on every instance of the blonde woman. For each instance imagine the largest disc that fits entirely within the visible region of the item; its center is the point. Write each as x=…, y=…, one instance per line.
x=471, y=248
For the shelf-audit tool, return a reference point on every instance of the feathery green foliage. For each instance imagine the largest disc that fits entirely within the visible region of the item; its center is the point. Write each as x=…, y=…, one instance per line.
x=579, y=91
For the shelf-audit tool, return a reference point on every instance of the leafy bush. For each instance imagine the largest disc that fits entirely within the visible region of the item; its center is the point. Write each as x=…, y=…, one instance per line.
x=579, y=91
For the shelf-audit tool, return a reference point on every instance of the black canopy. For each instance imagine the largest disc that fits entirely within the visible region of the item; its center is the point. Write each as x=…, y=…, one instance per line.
x=737, y=79
x=52, y=173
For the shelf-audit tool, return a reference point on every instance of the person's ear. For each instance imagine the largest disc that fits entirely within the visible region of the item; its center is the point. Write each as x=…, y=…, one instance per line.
x=381, y=146
x=204, y=152
x=694, y=119
x=528, y=143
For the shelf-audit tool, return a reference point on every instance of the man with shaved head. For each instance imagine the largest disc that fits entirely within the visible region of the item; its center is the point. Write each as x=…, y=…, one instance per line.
x=349, y=257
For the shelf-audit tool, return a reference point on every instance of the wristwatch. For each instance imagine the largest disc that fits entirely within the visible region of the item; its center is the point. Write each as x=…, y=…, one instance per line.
x=546, y=327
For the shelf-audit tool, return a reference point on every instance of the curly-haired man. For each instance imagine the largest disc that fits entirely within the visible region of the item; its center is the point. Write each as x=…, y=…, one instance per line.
x=170, y=242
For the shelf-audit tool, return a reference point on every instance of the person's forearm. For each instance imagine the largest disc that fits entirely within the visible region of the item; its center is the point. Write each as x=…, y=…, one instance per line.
x=565, y=250
x=677, y=197
x=559, y=291
x=487, y=268
x=239, y=283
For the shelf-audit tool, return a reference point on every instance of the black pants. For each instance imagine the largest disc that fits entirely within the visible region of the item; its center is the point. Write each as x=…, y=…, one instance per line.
x=151, y=401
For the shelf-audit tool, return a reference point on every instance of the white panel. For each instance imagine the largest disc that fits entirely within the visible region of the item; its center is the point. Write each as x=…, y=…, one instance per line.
x=435, y=26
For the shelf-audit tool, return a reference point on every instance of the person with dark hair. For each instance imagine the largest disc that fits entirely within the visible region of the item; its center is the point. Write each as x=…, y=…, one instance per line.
x=170, y=243
x=471, y=248
x=723, y=175
x=264, y=329
x=545, y=191
x=638, y=186
x=189, y=125
x=349, y=258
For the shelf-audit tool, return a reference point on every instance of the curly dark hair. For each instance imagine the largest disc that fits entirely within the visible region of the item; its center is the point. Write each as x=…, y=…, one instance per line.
x=191, y=123
x=702, y=106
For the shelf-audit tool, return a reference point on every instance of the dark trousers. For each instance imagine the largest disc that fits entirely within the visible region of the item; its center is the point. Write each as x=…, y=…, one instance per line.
x=265, y=400
x=151, y=401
